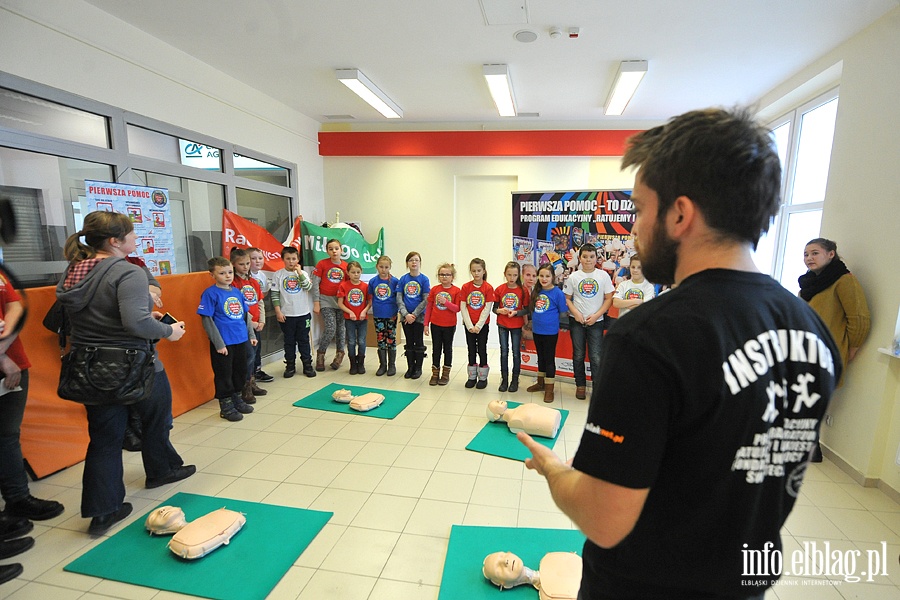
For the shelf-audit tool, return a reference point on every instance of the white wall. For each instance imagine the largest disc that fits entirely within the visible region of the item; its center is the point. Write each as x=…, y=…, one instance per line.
x=417, y=201
x=861, y=207
x=73, y=46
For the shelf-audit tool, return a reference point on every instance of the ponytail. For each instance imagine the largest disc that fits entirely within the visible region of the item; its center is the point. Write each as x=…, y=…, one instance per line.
x=99, y=227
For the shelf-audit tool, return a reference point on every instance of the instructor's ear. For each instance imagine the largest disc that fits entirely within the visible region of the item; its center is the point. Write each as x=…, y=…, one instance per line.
x=681, y=215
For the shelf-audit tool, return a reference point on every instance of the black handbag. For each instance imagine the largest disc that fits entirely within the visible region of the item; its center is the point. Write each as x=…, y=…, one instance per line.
x=104, y=375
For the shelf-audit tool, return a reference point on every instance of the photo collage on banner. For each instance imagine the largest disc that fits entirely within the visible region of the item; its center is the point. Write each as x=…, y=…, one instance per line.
x=148, y=209
x=550, y=227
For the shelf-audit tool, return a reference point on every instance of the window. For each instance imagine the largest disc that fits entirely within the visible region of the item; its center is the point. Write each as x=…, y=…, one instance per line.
x=50, y=119
x=47, y=193
x=803, y=138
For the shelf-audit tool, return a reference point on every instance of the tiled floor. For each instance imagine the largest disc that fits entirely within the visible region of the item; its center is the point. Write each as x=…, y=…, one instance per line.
x=396, y=486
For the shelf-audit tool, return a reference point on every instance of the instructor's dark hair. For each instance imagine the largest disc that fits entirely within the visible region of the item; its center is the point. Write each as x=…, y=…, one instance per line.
x=724, y=161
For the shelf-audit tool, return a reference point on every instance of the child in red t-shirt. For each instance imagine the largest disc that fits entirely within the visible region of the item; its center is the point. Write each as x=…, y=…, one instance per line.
x=477, y=298
x=249, y=287
x=353, y=298
x=440, y=314
x=327, y=276
x=510, y=306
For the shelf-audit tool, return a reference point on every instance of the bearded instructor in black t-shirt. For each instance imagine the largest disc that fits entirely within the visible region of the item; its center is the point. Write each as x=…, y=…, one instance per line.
x=708, y=398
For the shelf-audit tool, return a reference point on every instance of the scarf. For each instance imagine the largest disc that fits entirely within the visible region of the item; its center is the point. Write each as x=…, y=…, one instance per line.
x=811, y=284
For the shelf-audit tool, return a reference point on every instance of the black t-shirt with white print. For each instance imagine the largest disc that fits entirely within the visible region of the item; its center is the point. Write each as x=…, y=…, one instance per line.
x=711, y=396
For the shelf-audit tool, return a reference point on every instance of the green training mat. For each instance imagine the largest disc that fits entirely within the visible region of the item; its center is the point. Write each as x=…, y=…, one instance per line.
x=393, y=405
x=254, y=561
x=462, y=578
x=497, y=440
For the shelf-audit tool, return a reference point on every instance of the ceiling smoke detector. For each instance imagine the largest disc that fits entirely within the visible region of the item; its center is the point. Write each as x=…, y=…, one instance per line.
x=555, y=33
x=526, y=36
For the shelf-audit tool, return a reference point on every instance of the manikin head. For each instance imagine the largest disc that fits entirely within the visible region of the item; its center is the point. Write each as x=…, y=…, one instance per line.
x=506, y=570
x=495, y=410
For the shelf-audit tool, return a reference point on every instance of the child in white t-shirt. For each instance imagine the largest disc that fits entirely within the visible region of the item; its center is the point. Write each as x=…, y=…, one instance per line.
x=634, y=291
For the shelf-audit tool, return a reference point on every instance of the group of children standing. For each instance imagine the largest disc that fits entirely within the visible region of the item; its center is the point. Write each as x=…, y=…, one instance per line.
x=528, y=299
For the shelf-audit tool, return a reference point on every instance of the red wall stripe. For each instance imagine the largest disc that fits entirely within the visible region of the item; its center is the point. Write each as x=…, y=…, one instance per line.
x=605, y=142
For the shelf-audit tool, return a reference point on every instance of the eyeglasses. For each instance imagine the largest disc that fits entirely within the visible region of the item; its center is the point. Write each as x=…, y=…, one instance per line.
x=445, y=274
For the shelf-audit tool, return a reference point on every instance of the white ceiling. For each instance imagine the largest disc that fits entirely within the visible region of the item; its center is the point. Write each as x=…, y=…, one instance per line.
x=427, y=55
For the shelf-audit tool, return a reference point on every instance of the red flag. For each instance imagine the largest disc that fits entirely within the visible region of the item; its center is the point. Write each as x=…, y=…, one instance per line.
x=238, y=232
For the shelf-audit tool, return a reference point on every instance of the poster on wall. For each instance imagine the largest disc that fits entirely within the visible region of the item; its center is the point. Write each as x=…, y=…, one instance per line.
x=550, y=227
x=148, y=209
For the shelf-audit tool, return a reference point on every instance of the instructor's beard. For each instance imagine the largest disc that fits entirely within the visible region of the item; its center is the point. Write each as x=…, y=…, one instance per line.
x=659, y=257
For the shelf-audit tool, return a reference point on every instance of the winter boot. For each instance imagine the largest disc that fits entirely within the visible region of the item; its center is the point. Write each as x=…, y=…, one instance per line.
x=410, y=354
x=445, y=375
x=514, y=382
x=392, y=362
x=241, y=406
x=338, y=357
x=472, y=372
x=320, y=360
x=308, y=369
x=483, y=371
x=504, y=382
x=435, y=373
x=538, y=385
x=353, y=370
x=289, y=369
x=382, y=363
x=361, y=363
x=228, y=412
x=548, y=390
x=247, y=394
x=419, y=360
x=257, y=391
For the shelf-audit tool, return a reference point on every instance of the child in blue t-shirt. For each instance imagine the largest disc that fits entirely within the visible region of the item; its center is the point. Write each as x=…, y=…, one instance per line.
x=226, y=320
x=383, y=291
x=547, y=304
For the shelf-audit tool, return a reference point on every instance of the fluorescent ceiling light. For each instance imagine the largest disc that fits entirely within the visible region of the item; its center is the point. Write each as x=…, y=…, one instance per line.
x=363, y=87
x=627, y=79
x=497, y=77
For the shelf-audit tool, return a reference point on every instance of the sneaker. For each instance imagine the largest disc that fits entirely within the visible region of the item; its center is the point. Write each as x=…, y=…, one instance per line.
x=101, y=524
x=13, y=527
x=34, y=508
x=178, y=474
x=263, y=376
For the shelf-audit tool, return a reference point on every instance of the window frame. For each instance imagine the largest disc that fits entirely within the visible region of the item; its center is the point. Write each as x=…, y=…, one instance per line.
x=789, y=170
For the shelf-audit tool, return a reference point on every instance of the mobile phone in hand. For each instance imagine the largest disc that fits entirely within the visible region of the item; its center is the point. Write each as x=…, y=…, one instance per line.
x=168, y=319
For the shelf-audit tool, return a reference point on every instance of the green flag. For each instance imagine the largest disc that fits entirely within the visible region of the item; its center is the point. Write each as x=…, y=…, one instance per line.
x=353, y=245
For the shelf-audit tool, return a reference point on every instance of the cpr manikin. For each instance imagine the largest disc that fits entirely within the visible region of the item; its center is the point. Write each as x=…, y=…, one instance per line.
x=199, y=537
x=362, y=403
x=558, y=577
x=530, y=418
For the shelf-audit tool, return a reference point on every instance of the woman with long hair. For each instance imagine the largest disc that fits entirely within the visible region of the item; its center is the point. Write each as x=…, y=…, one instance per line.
x=107, y=301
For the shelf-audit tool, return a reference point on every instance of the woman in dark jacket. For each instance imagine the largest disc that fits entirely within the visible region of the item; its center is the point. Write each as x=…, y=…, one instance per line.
x=107, y=301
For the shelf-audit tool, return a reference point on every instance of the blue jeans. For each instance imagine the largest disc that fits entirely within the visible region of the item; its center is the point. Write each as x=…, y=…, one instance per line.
x=356, y=336
x=103, y=490
x=590, y=336
x=508, y=336
x=13, y=480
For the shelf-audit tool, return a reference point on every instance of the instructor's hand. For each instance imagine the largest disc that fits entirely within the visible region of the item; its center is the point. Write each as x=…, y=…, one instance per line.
x=543, y=459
